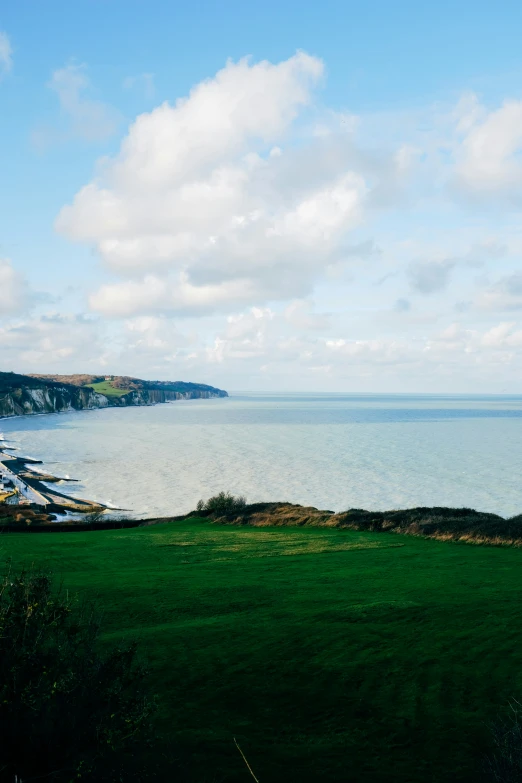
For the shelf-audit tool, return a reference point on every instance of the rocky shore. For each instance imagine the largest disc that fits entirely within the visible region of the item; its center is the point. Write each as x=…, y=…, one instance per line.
x=25, y=495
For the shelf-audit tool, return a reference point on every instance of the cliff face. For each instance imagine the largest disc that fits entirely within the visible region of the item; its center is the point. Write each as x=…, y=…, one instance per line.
x=22, y=395
x=154, y=396
x=49, y=399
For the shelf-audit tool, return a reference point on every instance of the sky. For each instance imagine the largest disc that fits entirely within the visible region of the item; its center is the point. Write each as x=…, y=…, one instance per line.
x=286, y=196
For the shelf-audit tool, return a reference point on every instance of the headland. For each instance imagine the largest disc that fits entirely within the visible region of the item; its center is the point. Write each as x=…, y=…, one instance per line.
x=22, y=395
x=24, y=494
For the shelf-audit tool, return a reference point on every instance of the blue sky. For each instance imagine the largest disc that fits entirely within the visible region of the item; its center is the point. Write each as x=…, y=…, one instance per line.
x=341, y=211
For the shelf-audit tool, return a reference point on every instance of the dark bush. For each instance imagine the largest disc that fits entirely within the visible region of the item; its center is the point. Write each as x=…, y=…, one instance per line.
x=222, y=504
x=505, y=765
x=67, y=711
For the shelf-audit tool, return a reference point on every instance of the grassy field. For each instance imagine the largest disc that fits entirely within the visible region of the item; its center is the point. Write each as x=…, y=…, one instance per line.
x=331, y=655
x=106, y=387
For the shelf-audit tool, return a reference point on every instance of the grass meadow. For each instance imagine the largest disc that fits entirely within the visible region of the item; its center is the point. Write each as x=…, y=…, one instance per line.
x=106, y=388
x=330, y=655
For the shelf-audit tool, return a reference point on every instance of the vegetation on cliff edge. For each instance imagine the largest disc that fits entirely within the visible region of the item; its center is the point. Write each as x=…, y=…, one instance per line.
x=452, y=524
x=112, y=385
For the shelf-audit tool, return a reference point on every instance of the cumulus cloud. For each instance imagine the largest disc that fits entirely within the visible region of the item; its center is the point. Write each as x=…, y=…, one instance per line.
x=488, y=156
x=152, y=336
x=205, y=208
x=255, y=344
x=244, y=200
x=216, y=202
x=6, y=52
x=156, y=294
x=260, y=343
x=14, y=289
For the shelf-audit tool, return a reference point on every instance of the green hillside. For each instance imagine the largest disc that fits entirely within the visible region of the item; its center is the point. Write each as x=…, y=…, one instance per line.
x=331, y=655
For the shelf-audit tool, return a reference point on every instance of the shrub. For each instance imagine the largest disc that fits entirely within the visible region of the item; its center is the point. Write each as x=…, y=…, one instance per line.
x=67, y=712
x=505, y=766
x=222, y=504
x=95, y=517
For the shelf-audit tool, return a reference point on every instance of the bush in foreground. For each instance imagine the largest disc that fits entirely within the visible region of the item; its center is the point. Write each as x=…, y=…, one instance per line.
x=223, y=503
x=505, y=765
x=67, y=712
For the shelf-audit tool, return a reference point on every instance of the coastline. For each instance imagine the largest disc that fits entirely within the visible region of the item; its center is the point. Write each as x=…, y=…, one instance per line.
x=458, y=525
x=22, y=489
x=40, y=394
x=45, y=497
x=26, y=489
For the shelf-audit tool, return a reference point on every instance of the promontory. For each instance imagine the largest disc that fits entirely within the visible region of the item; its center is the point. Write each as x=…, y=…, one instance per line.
x=31, y=394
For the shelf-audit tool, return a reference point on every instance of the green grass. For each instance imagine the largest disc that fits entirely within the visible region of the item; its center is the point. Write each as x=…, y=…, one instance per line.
x=331, y=655
x=106, y=387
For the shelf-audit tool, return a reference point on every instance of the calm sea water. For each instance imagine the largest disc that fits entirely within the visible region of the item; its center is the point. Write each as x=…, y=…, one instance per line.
x=330, y=451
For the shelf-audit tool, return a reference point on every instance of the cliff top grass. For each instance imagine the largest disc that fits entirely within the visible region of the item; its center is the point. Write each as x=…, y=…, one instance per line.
x=330, y=654
x=126, y=383
x=107, y=388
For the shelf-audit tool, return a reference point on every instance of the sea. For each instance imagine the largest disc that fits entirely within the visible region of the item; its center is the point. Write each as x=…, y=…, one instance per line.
x=332, y=451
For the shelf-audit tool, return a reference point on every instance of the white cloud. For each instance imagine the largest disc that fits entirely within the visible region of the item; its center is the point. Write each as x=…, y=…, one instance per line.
x=258, y=345
x=245, y=200
x=148, y=337
x=155, y=294
x=300, y=314
x=206, y=208
x=504, y=335
x=464, y=350
x=373, y=352
x=504, y=294
x=14, y=289
x=85, y=117
x=50, y=343
x=6, y=51
x=488, y=158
